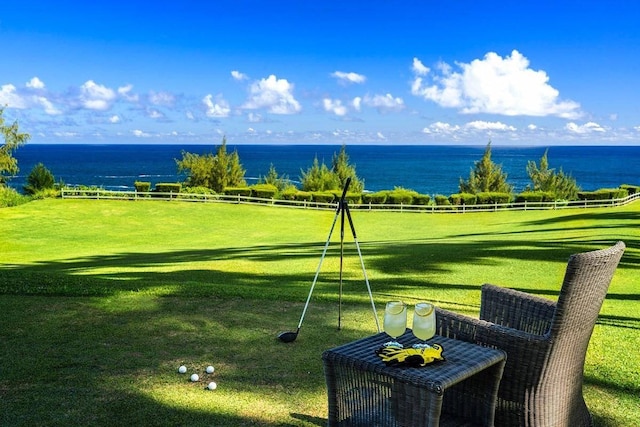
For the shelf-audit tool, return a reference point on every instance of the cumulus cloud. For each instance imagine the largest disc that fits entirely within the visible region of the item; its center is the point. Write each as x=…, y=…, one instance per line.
x=217, y=107
x=273, y=94
x=384, y=102
x=125, y=92
x=115, y=119
x=482, y=125
x=162, y=98
x=32, y=95
x=334, y=106
x=35, y=83
x=586, y=128
x=418, y=68
x=357, y=103
x=96, y=97
x=441, y=128
x=348, y=78
x=140, y=134
x=494, y=85
x=237, y=75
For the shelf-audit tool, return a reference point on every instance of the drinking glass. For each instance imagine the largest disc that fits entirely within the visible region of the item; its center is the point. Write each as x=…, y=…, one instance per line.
x=424, y=321
x=395, y=320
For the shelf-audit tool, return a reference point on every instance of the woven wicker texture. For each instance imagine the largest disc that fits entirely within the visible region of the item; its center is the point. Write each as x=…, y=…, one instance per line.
x=460, y=391
x=545, y=341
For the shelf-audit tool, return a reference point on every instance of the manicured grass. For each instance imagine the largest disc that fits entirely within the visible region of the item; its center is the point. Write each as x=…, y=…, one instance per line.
x=101, y=301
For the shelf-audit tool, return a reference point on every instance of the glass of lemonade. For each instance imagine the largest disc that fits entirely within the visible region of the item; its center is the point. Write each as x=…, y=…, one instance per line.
x=424, y=321
x=395, y=319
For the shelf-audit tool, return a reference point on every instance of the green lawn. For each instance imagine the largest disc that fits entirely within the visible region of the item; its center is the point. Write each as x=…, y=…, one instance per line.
x=101, y=301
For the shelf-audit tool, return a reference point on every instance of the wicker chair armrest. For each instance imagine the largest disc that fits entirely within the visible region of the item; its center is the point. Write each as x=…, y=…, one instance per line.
x=516, y=309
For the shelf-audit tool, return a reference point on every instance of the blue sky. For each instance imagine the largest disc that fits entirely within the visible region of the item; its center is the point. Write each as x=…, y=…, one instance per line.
x=313, y=72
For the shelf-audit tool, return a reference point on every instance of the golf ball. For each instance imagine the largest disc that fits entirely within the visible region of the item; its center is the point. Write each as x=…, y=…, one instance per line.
x=210, y=369
x=182, y=369
x=195, y=377
x=212, y=385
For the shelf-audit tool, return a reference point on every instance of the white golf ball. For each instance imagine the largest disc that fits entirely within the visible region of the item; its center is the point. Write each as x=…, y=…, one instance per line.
x=182, y=369
x=212, y=385
x=210, y=369
x=195, y=377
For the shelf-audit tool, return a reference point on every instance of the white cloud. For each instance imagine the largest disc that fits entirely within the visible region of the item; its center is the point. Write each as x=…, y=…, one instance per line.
x=255, y=118
x=334, y=106
x=384, y=102
x=10, y=97
x=418, y=68
x=237, y=75
x=273, y=94
x=140, y=134
x=114, y=119
x=589, y=127
x=380, y=135
x=482, y=125
x=357, y=103
x=532, y=127
x=162, y=98
x=96, y=97
x=48, y=107
x=155, y=114
x=494, y=85
x=217, y=108
x=125, y=93
x=440, y=127
x=343, y=77
x=35, y=83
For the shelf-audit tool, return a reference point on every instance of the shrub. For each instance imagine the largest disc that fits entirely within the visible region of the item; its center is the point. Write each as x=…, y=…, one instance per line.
x=264, y=191
x=142, y=187
x=603, y=194
x=631, y=189
x=47, y=193
x=303, y=196
x=10, y=197
x=534, y=196
x=377, y=198
x=40, y=178
x=323, y=196
x=421, y=199
x=466, y=199
x=168, y=187
x=487, y=198
x=401, y=196
x=238, y=191
x=442, y=200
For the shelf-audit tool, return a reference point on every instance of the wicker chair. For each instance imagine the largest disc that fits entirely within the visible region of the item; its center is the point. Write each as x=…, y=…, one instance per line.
x=545, y=341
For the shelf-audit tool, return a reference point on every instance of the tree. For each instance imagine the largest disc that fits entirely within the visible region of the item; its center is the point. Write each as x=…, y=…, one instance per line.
x=40, y=178
x=563, y=187
x=13, y=139
x=281, y=182
x=343, y=170
x=215, y=172
x=319, y=178
x=486, y=176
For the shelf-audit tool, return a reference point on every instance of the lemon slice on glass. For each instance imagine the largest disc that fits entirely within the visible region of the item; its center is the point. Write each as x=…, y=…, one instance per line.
x=395, y=307
x=424, y=308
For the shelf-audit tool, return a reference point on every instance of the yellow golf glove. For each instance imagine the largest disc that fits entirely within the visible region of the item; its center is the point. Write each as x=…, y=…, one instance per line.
x=414, y=357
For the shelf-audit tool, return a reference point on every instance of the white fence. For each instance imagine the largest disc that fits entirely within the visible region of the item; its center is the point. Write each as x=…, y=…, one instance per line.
x=71, y=193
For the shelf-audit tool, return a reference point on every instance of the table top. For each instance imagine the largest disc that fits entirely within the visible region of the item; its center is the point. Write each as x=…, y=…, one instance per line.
x=462, y=360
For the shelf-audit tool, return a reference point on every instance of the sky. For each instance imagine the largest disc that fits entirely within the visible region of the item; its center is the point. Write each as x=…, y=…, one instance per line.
x=448, y=72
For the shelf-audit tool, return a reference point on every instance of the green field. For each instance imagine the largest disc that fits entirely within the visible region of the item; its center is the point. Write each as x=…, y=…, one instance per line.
x=101, y=301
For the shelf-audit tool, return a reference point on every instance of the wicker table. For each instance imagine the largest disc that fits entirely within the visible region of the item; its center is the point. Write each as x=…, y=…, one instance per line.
x=459, y=391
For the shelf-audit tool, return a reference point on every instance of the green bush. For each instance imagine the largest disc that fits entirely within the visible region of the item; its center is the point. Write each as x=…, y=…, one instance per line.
x=466, y=199
x=47, y=193
x=603, y=194
x=142, y=187
x=168, y=187
x=264, y=191
x=238, y=191
x=534, y=196
x=442, y=200
x=10, y=197
x=421, y=199
x=377, y=198
x=40, y=178
x=491, y=197
x=401, y=196
x=631, y=189
x=322, y=196
x=303, y=196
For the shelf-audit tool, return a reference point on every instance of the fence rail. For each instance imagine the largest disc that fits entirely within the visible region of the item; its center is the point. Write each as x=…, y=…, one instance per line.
x=72, y=193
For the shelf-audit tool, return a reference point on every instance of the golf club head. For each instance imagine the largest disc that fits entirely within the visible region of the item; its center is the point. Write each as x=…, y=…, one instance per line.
x=288, y=336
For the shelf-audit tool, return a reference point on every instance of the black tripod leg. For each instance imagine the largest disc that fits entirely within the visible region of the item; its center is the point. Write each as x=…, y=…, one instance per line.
x=342, y=209
x=364, y=271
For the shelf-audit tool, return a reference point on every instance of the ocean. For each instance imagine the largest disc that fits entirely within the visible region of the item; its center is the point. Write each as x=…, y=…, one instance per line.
x=426, y=169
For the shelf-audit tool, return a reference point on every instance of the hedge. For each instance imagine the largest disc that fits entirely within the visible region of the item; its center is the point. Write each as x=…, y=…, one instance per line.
x=142, y=187
x=168, y=187
x=377, y=198
x=603, y=194
x=489, y=198
x=463, y=199
x=631, y=189
x=534, y=196
x=401, y=197
x=238, y=191
x=264, y=191
x=323, y=196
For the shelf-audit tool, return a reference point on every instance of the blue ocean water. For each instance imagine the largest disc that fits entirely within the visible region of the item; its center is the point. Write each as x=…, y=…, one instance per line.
x=426, y=169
